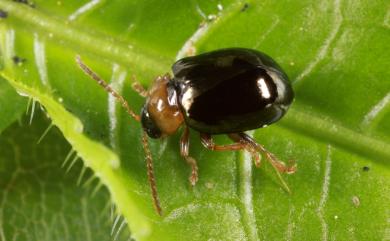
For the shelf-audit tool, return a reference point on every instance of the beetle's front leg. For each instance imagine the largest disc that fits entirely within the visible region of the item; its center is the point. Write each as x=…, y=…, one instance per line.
x=137, y=86
x=184, y=151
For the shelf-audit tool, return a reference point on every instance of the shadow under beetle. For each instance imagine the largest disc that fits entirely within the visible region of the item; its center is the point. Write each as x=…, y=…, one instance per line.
x=226, y=91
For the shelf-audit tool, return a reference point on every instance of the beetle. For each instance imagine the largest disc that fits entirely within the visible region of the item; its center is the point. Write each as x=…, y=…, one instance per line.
x=227, y=91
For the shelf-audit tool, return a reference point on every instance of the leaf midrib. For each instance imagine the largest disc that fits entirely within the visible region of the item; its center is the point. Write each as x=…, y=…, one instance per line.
x=83, y=41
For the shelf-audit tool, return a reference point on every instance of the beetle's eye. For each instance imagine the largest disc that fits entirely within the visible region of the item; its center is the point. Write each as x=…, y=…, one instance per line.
x=149, y=125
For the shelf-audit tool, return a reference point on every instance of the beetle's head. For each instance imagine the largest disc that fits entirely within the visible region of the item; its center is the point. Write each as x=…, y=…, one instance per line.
x=161, y=115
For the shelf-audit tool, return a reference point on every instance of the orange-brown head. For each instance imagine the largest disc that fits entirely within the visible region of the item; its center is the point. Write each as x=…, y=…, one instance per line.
x=161, y=115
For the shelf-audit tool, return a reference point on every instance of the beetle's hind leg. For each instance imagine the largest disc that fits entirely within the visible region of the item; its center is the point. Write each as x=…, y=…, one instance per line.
x=275, y=162
x=184, y=151
x=278, y=165
x=245, y=142
x=208, y=142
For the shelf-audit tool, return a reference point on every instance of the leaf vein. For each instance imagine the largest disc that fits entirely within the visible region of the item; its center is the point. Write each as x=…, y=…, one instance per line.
x=246, y=195
x=375, y=111
x=88, y=231
x=324, y=195
x=117, y=81
x=40, y=60
x=207, y=27
x=267, y=32
x=84, y=41
x=85, y=9
x=338, y=19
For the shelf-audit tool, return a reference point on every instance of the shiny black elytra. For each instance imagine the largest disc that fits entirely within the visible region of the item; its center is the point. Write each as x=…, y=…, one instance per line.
x=226, y=91
x=230, y=90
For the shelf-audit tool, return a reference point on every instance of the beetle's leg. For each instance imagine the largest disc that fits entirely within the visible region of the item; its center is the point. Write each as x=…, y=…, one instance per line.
x=149, y=167
x=137, y=87
x=208, y=142
x=107, y=87
x=278, y=165
x=275, y=162
x=184, y=151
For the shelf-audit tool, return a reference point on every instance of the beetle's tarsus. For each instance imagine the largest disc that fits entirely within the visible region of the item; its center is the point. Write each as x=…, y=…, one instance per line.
x=279, y=166
x=194, y=172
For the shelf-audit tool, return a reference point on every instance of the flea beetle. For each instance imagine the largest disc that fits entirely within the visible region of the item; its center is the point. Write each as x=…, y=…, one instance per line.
x=227, y=91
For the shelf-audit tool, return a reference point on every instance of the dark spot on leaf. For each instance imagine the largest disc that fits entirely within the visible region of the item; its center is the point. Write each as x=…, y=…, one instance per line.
x=18, y=60
x=366, y=168
x=69, y=110
x=25, y=2
x=245, y=7
x=3, y=14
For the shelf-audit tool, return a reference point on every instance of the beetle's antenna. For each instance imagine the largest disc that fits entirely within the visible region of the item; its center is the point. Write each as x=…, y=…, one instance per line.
x=149, y=162
x=107, y=87
x=149, y=166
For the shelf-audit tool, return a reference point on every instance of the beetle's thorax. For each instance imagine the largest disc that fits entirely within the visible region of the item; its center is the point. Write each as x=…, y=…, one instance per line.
x=161, y=108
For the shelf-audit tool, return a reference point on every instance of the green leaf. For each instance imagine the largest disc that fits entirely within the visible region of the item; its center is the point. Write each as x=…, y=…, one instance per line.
x=42, y=201
x=12, y=106
x=338, y=131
